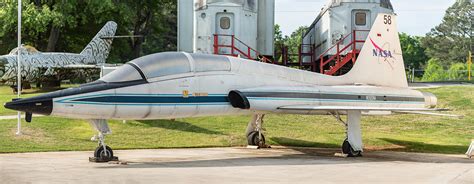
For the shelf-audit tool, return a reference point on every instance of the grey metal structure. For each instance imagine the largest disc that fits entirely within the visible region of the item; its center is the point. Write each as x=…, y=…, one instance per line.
x=249, y=21
x=337, y=19
x=266, y=26
x=185, y=25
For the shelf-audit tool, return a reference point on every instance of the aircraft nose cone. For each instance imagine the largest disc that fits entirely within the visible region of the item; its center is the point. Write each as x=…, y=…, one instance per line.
x=33, y=105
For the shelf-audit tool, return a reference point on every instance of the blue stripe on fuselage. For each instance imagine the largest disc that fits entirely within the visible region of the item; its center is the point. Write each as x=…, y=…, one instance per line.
x=329, y=100
x=153, y=99
x=177, y=99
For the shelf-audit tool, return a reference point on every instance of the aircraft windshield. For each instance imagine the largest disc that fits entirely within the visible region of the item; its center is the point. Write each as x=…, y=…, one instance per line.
x=122, y=74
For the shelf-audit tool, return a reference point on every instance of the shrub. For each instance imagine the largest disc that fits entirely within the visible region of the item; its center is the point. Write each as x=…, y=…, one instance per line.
x=434, y=71
x=457, y=71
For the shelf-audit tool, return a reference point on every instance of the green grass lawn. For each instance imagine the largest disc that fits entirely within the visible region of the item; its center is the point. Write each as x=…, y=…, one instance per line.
x=415, y=133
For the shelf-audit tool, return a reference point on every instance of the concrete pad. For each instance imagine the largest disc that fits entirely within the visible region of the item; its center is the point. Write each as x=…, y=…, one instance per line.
x=236, y=165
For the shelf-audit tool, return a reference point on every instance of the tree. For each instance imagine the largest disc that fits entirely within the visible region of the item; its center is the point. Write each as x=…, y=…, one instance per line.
x=163, y=29
x=451, y=40
x=413, y=53
x=296, y=38
x=292, y=42
x=67, y=26
x=36, y=20
x=279, y=41
x=434, y=71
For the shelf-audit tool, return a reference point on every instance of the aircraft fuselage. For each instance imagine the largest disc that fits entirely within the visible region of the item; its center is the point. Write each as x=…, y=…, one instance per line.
x=36, y=65
x=195, y=94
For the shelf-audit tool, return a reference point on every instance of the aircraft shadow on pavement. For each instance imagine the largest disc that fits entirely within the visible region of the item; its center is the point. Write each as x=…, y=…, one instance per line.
x=309, y=153
x=234, y=162
x=303, y=156
x=283, y=141
x=424, y=147
x=310, y=156
x=179, y=126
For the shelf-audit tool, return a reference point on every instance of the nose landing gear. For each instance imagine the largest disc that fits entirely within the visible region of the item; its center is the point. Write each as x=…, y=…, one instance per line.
x=256, y=139
x=102, y=153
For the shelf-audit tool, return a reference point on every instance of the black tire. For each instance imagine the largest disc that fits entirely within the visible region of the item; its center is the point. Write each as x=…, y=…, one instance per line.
x=347, y=149
x=254, y=140
x=100, y=154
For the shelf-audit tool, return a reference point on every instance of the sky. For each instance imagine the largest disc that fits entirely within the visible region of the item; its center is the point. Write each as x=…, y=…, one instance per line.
x=415, y=17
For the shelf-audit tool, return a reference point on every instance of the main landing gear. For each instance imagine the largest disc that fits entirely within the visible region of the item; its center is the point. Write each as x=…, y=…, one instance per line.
x=102, y=153
x=254, y=132
x=352, y=145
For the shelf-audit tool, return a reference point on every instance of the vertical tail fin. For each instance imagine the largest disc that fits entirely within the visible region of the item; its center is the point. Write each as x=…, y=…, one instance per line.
x=380, y=61
x=98, y=49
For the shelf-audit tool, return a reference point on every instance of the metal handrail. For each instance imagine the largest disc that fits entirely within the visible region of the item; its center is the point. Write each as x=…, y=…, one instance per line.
x=353, y=43
x=341, y=40
x=248, y=55
x=235, y=38
x=341, y=50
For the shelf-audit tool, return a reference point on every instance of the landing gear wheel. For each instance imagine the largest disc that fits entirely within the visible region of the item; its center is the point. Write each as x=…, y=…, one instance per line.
x=106, y=154
x=347, y=149
x=254, y=140
x=103, y=155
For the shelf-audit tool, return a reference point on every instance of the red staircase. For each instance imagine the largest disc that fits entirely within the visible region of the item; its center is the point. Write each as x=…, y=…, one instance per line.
x=344, y=54
x=351, y=56
x=244, y=50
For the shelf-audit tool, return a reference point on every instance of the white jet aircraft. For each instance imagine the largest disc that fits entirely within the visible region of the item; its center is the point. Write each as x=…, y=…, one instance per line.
x=36, y=65
x=178, y=85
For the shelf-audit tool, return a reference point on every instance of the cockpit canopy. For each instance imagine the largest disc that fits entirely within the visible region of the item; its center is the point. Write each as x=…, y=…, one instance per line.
x=24, y=50
x=167, y=64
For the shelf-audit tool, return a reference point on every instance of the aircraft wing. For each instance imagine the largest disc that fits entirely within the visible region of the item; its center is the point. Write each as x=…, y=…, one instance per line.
x=71, y=66
x=422, y=111
x=80, y=66
x=309, y=100
x=53, y=70
x=84, y=66
x=328, y=108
